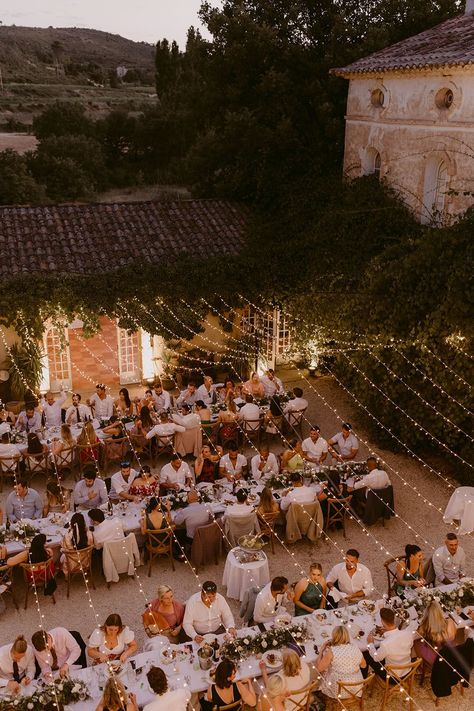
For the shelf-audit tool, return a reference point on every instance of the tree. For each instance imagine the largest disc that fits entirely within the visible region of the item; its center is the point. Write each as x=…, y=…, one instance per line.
x=17, y=185
x=63, y=119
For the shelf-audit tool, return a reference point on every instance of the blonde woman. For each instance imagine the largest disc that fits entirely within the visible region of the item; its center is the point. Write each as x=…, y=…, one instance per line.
x=310, y=592
x=88, y=437
x=116, y=698
x=295, y=675
x=435, y=631
x=254, y=386
x=56, y=498
x=165, y=616
x=339, y=660
x=66, y=442
x=273, y=698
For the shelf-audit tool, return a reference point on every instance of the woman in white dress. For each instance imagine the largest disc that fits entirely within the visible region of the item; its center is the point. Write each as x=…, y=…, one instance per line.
x=295, y=674
x=339, y=660
x=113, y=640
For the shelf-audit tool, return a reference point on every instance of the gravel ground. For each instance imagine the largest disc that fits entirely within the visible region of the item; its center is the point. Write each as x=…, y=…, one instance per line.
x=417, y=521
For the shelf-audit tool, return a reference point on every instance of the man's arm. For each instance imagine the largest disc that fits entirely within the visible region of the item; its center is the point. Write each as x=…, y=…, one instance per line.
x=462, y=565
x=258, y=609
x=438, y=568
x=80, y=498
x=188, y=621
x=152, y=432
x=31, y=668
x=178, y=419
x=9, y=509
x=72, y=647
x=38, y=512
x=62, y=397
x=226, y=615
x=103, y=495
x=368, y=586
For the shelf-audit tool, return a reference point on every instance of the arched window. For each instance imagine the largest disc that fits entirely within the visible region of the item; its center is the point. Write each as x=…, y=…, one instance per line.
x=434, y=191
x=129, y=351
x=59, y=364
x=372, y=163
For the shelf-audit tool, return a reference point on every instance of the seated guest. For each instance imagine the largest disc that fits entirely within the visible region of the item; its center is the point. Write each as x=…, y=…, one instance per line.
x=271, y=599
x=297, y=403
x=353, y=578
x=274, y=417
x=227, y=419
x=346, y=442
x=207, y=392
x=34, y=445
x=409, y=570
x=23, y=502
x=204, y=413
x=77, y=412
x=102, y=404
x=123, y=405
x=271, y=384
x=267, y=504
x=233, y=466
x=67, y=441
x=449, y=561
x=56, y=498
x=144, y=423
x=91, y=491
x=52, y=408
x=38, y=553
x=315, y=448
x=153, y=518
x=188, y=396
x=161, y=398
x=228, y=392
x=375, y=479
x=147, y=401
x=7, y=449
x=340, y=660
x=165, y=615
x=17, y=665
x=193, y=515
x=264, y=464
x=6, y=416
x=298, y=494
x=435, y=632
x=293, y=457
x=116, y=430
x=296, y=676
x=274, y=697
x=241, y=507
x=29, y=419
x=189, y=419
x=77, y=538
x=112, y=640
x=56, y=650
x=145, y=483
x=110, y=529
x=226, y=690
x=310, y=592
x=207, y=611
x=121, y=482
x=250, y=412
x=206, y=466
x=116, y=698
x=90, y=442
x=165, y=698
x=175, y=475
x=165, y=429
x=395, y=647
x=254, y=387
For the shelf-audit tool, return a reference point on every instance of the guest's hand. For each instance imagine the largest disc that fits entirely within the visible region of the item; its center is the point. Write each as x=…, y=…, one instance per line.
x=262, y=665
x=290, y=594
x=64, y=671
x=13, y=687
x=132, y=698
x=370, y=638
x=232, y=631
x=25, y=681
x=123, y=657
x=198, y=638
x=103, y=658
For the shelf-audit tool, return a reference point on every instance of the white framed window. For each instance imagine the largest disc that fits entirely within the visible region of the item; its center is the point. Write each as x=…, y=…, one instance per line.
x=56, y=346
x=130, y=359
x=272, y=330
x=434, y=191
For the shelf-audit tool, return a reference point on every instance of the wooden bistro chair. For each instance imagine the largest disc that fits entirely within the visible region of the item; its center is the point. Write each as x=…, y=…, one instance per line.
x=142, y=448
x=159, y=543
x=251, y=430
x=115, y=450
x=164, y=445
x=63, y=462
x=88, y=455
x=9, y=468
x=394, y=684
x=37, y=575
x=293, y=703
x=36, y=464
x=79, y=562
x=295, y=419
x=234, y=706
x=229, y=432
x=337, y=512
x=267, y=523
x=6, y=583
x=349, y=693
x=207, y=546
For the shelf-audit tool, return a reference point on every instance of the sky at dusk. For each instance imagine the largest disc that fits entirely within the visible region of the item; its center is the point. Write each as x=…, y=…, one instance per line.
x=147, y=20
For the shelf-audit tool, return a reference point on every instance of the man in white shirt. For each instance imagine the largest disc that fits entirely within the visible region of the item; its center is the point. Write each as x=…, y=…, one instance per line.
x=110, y=529
x=250, y=412
x=375, y=479
x=121, y=482
x=189, y=420
x=161, y=398
x=352, y=578
x=166, y=700
x=6, y=448
x=449, y=561
x=241, y=508
x=395, y=648
x=188, y=396
x=17, y=665
x=101, y=403
x=207, y=392
x=346, y=442
x=233, y=465
x=29, y=419
x=175, y=475
x=165, y=429
x=264, y=464
x=298, y=402
x=299, y=494
x=271, y=599
x=315, y=448
x=52, y=408
x=77, y=412
x=207, y=611
x=56, y=650
x=272, y=384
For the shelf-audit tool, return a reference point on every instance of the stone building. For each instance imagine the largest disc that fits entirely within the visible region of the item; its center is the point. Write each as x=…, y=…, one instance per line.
x=410, y=118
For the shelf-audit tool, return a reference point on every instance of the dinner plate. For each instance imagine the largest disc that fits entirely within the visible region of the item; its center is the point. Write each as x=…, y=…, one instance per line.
x=277, y=659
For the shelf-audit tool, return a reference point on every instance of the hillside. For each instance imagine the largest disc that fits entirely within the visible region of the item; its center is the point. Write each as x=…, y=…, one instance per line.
x=32, y=54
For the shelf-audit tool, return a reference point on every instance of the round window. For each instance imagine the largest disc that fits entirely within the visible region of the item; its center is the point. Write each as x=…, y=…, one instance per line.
x=444, y=98
x=377, y=98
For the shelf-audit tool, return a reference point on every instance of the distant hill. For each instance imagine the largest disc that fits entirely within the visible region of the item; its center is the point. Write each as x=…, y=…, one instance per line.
x=72, y=55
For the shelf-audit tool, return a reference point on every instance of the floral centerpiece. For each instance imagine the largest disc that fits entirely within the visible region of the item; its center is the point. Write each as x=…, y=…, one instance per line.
x=344, y=470
x=20, y=530
x=278, y=481
x=275, y=638
x=460, y=597
x=61, y=691
x=180, y=499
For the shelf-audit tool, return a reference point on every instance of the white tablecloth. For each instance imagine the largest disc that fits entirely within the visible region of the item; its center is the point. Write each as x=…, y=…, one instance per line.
x=238, y=577
x=461, y=508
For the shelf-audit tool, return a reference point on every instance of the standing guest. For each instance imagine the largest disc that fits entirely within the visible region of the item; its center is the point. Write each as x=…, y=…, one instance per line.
x=271, y=384
x=153, y=517
x=298, y=494
x=353, y=578
x=56, y=650
x=395, y=648
x=101, y=403
x=176, y=474
x=165, y=614
x=77, y=412
x=116, y=698
x=29, y=419
x=123, y=405
x=250, y=412
x=23, y=502
x=226, y=690
x=271, y=599
x=165, y=698
x=435, y=632
x=56, y=498
x=233, y=466
x=346, y=442
x=77, y=538
x=264, y=464
x=340, y=660
x=206, y=466
x=207, y=392
x=90, y=492
x=207, y=611
x=165, y=429
x=267, y=504
x=161, y=398
x=315, y=448
x=121, y=482
x=52, y=408
x=254, y=387
x=192, y=516
x=90, y=442
x=110, y=529
x=297, y=403
x=7, y=449
x=449, y=561
x=17, y=665
x=145, y=484
x=188, y=396
x=310, y=592
x=112, y=640
x=293, y=457
x=67, y=441
x=409, y=570
x=189, y=420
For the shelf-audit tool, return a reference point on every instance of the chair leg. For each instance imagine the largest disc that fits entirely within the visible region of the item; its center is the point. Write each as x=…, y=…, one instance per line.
x=53, y=599
x=68, y=580
x=26, y=595
x=272, y=542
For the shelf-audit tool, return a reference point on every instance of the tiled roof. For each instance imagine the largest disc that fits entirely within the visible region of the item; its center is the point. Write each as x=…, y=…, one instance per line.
x=91, y=238
x=449, y=44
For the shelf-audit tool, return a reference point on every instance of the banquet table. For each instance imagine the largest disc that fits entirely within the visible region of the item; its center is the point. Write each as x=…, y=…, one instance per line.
x=461, y=508
x=239, y=577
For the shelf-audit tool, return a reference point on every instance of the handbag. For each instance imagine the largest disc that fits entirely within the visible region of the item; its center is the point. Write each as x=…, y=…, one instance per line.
x=50, y=587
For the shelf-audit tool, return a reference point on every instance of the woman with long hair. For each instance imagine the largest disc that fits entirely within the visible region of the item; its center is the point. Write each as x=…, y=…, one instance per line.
x=77, y=538
x=56, y=499
x=116, y=698
x=206, y=466
x=91, y=443
x=144, y=423
x=295, y=674
x=123, y=404
x=339, y=660
x=310, y=592
x=226, y=690
x=153, y=518
x=409, y=569
x=67, y=441
x=435, y=630
x=34, y=444
x=273, y=698
x=145, y=484
x=267, y=503
x=38, y=553
x=112, y=640
x=254, y=386
x=292, y=457
x=164, y=615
